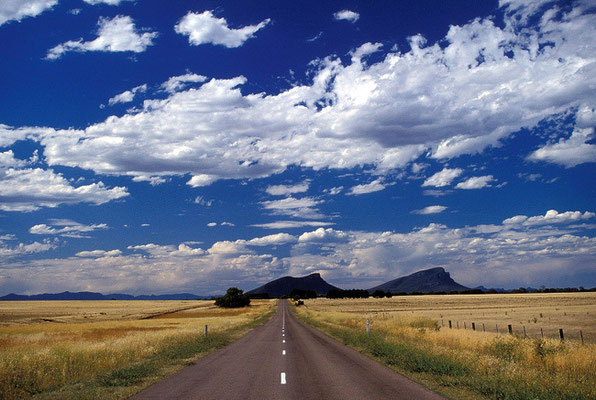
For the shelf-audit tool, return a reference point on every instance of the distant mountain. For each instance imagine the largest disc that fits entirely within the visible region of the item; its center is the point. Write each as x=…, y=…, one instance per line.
x=428, y=280
x=485, y=289
x=284, y=286
x=99, y=296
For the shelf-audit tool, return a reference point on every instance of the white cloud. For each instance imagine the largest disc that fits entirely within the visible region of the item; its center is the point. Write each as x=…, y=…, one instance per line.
x=284, y=190
x=29, y=189
x=109, y=2
x=16, y=10
x=482, y=82
x=509, y=255
x=127, y=96
x=551, y=217
x=200, y=200
x=322, y=235
x=346, y=15
x=114, y=35
x=365, y=188
x=67, y=229
x=476, y=182
x=177, y=83
x=21, y=249
x=226, y=223
x=292, y=224
x=206, y=28
x=430, y=210
x=568, y=152
x=334, y=190
x=269, y=240
x=99, y=253
x=443, y=177
x=304, y=207
x=212, y=224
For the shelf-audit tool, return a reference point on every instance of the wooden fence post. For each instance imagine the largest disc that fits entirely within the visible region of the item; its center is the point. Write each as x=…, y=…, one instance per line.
x=497, y=326
x=465, y=327
x=510, y=329
x=473, y=326
x=483, y=328
x=525, y=331
x=561, y=334
x=205, y=330
x=450, y=324
x=581, y=336
x=541, y=333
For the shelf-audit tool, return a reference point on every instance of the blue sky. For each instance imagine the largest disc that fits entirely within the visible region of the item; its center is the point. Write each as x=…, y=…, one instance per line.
x=161, y=147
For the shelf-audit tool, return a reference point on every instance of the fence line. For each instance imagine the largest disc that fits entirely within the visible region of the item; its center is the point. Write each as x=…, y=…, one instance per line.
x=560, y=333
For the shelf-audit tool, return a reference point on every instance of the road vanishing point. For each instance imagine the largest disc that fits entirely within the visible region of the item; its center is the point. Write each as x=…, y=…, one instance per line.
x=286, y=359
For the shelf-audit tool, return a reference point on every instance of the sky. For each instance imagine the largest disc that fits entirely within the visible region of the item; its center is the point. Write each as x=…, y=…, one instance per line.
x=190, y=146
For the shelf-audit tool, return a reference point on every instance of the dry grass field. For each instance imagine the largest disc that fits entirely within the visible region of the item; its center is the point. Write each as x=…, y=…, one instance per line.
x=406, y=333
x=108, y=349
x=550, y=311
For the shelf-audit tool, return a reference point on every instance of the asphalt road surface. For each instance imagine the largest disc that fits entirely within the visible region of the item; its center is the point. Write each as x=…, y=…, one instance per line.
x=285, y=359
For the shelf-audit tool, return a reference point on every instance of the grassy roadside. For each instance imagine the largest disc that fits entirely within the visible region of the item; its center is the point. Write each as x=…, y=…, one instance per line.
x=466, y=365
x=116, y=370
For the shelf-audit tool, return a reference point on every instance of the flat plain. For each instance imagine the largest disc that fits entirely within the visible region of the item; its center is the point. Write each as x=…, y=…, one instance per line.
x=411, y=335
x=571, y=312
x=108, y=349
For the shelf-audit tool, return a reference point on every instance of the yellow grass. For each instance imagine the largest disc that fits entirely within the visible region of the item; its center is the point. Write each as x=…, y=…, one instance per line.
x=40, y=356
x=515, y=364
x=550, y=311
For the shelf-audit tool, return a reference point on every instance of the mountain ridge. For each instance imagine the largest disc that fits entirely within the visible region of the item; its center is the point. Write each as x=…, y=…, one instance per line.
x=283, y=286
x=98, y=296
x=428, y=280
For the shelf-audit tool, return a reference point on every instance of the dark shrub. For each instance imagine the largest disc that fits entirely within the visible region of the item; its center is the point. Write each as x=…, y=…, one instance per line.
x=233, y=298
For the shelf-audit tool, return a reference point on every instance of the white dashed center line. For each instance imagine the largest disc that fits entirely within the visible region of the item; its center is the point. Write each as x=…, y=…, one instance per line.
x=283, y=378
x=283, y=352
x=283, y=341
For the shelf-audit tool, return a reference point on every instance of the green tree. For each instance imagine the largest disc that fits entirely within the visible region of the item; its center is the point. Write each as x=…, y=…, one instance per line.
x=233, y=298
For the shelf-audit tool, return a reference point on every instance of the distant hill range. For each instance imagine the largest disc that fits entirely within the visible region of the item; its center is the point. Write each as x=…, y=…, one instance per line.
x=428, y=280
x=284, y=286
x=99, y=296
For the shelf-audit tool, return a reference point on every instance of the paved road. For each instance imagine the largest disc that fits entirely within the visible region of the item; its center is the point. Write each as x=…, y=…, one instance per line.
x=285, y=359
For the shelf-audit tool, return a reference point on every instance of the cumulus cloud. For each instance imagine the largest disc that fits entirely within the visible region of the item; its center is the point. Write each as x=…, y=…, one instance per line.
x=292, y=224
x=365, y=188
x=16, y=10
x=304, y=207
x=346, y=15
x=285, y=190
x=64, y=228
x=29, y=189
x=109, y=2
x=568, y=152
x=7, y=252
x=127, y=96
x=177, y=83
x=323, y=235
x=476, y=182
x=205, y=28
x=430, y=210
x=527, y=252
x=114, y=35
x=276, y=239
x=99, y=253
x=481, y=82
x=551, y=217
x=443, y=177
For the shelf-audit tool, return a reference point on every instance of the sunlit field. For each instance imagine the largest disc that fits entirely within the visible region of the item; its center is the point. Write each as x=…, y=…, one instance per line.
x=411, y=334
x=108, y=349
